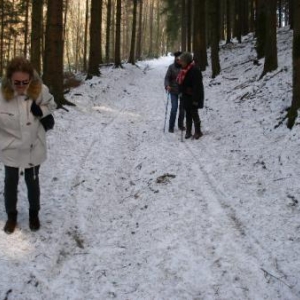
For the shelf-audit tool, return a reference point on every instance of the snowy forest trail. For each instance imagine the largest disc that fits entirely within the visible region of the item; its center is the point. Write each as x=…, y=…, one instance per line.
x=131, y=212
x=135, y=249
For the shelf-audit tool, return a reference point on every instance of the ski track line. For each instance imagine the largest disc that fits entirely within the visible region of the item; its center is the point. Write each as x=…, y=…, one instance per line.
x=214, y=195
x=69, y=225
x=79, y=217
x=119, y=186
x=64, y=243
x=250, y=245
x=245, y=296
x=255, y=246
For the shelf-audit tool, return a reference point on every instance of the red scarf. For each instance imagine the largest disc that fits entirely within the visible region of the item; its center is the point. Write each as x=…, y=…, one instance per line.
x=183, y=72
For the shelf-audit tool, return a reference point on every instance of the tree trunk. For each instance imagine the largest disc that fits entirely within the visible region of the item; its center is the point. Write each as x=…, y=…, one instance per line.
x=183, y=26
x=67, y=42
x=214, y=18
x=140, y=32
x=251, y=16
x=189, y=24
x=228, y=21
x=222, y=19
x=271, y=61
x=158, y=51
x=95, y=39
x=133, y=35
x=291, y=18
x=126, y=28
x=26, y=30
x=150, y=51
x=199, y=44
x=118, y=63
x=293, y=112
x=244, y=7
x=260, y=28
x=108, y=31
x=238, y=21
x=279, y=13
x=86, y=26
x=36, y=34
x=53, y=60
x=2, y=38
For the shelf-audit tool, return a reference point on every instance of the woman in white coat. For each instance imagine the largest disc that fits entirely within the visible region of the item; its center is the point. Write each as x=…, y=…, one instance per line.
x=24, y=101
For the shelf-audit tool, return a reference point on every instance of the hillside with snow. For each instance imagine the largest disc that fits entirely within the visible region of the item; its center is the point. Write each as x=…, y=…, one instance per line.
x=131, y=212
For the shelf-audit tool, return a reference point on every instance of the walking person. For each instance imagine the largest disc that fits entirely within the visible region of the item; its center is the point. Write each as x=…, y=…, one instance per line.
x=171, y=87
x=192, y=93
x=24, y=101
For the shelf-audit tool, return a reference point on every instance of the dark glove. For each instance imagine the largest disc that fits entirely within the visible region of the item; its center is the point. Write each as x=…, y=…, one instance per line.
x=36, y=110
x=48, y=122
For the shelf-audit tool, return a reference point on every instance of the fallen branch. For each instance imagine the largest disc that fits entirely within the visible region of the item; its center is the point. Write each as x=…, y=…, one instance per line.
x=280, y=122
x=77, y=184
x=264, y=73
x=241, y=86
x=245, y=95
x=266, y=273
x=236, y=65
x=281, y=70
x=234, y=78
x=7, y=293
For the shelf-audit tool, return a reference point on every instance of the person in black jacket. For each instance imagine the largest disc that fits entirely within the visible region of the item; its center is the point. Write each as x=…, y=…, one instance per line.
x=171, y=87
x=192, y=93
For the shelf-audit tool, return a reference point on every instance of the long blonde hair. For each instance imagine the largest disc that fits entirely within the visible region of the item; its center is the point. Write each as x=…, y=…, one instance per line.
x=21, y=64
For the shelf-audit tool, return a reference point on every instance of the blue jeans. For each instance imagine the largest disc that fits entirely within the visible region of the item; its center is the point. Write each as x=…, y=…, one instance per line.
x=174, y=107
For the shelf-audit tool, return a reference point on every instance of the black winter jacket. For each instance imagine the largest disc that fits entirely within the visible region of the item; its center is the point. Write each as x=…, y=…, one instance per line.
x=192, y=89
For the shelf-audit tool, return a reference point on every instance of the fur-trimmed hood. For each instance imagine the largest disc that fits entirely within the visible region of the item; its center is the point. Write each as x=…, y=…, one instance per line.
x=33, y=91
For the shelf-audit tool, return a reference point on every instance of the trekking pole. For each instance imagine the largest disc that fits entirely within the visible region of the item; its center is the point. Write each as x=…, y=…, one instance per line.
x=168, y=96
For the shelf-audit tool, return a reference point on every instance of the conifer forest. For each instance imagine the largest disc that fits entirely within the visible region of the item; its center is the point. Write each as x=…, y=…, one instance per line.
x=64, y=37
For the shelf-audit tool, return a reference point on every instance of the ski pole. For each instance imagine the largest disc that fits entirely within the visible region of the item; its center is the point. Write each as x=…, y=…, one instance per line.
x=168, y=96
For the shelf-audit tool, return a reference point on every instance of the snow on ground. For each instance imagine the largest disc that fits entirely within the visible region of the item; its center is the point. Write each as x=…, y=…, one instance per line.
x=131, y=212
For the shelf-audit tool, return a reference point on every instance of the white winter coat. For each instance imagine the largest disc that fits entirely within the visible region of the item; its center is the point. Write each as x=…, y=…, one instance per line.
x=22, y=136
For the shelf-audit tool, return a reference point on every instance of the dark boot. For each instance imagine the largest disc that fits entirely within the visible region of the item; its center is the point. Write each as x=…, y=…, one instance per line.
x=11, y=223
x=180, y=121
x=181, y=127
x=188, y=132
x=198, y=132
x=197, y=123
x=34, y=221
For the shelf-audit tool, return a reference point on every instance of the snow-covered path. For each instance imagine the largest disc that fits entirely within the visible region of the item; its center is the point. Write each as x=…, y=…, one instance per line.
x=181, y=247
x=131, y=212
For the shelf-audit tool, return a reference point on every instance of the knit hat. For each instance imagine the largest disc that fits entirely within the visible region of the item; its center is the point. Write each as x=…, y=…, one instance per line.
x=186, y=57
x=177, y=53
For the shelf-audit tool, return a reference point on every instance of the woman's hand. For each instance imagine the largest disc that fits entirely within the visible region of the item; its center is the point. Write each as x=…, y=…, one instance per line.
x=36, y=110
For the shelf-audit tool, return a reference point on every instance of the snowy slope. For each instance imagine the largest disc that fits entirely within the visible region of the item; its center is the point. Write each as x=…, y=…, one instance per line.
x=131, y=212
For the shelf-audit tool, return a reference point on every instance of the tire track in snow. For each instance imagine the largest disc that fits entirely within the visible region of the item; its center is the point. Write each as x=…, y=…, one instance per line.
x=89, y=221
x=125, y=223
x=71, y=239
x=67, y=234
x=260, y=256
x=118, y=186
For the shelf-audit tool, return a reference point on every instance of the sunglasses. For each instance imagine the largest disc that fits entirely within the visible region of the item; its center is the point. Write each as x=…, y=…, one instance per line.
x=21, y=82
